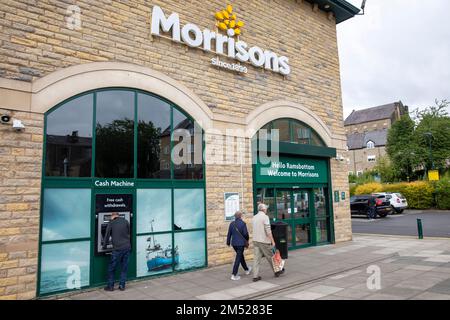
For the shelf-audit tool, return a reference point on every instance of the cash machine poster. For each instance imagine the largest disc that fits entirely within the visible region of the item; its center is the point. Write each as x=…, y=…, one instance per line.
x=113, y=203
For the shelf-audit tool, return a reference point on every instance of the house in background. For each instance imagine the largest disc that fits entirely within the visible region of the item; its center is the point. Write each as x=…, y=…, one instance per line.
x=367, y=131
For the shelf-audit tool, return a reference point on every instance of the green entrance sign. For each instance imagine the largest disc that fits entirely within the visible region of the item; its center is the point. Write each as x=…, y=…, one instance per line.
x=292, y=170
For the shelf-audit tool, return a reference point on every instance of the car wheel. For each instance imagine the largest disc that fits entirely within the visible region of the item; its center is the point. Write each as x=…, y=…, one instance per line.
x=383, y=215
x=400, y=211
x=395, y=210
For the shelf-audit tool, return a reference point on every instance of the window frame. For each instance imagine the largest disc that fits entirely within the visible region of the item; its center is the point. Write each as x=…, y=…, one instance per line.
x=270, y=125
x=135, y=146
x=55, y=182
x=370, y=145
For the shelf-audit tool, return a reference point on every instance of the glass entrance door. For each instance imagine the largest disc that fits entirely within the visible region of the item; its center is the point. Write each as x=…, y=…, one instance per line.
x=305, y=210
x=293, y=208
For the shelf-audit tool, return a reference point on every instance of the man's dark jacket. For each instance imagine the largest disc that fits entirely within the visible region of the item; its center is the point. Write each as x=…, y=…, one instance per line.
x=233, y=237
x=119, y=229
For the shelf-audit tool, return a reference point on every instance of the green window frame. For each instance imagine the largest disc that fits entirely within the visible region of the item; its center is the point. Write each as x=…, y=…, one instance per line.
x=61, y=182
x=313, y=137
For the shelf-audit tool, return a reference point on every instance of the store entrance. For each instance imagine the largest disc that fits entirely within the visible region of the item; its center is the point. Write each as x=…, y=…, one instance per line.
x=305, y=210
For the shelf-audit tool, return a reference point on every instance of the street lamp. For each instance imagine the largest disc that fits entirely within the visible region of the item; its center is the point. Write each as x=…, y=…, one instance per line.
x=429, y=136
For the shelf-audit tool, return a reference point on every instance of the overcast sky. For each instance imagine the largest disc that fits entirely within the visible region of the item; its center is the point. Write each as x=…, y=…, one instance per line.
x=399, y=50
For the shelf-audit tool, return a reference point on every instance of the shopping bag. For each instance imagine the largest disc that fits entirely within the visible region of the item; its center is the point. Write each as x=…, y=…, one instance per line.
x=277, y=262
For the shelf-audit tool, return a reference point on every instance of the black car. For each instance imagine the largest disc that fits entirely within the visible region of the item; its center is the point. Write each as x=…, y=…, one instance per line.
x=359, y=205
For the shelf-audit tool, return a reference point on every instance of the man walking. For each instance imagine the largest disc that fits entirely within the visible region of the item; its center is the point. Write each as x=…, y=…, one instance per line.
x=263, y=241
x=372, y=210
x=119, y=229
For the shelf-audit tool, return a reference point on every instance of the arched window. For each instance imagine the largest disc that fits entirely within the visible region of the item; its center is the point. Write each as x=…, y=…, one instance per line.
x=370, y=145
x=127, y=132
x=294, y=131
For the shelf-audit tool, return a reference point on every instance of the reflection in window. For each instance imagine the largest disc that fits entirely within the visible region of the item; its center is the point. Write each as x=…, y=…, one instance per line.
x=283, y=204
x=189, y=210
x=267, y=197
x=154, y=207
x=293, y=131
x=320, y=202
x=301, y=204
x=289, y=236
x=322, y=231
x=69, y=139
x=191, y=248
x=66, y=214
x=154, y=255
x=63, y=260
x=115, y=132
x=302, y=133
x=187, y=148
x=283, y=126
x=153, y=137
x=302, y=234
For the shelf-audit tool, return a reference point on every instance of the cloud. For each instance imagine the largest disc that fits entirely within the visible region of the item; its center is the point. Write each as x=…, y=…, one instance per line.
x=398, y=51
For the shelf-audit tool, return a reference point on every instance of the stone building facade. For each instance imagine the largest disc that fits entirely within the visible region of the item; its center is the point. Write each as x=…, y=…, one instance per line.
x=367, y=131
x=51, y=51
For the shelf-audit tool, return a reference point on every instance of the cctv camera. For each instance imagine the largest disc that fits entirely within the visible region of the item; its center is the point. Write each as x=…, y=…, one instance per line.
x=5, y=119
x=18, y=125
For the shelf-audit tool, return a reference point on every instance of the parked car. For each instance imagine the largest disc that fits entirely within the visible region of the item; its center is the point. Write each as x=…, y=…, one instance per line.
x=397, y=200
x=359, y=205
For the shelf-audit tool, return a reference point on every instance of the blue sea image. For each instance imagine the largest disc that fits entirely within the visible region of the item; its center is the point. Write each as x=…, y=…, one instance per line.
x=191, y=246
x=63, y=264
x=56, y=280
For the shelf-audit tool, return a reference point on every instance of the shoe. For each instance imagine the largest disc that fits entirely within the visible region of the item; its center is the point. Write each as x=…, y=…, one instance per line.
x=256, y=279
x=279, y=273
x=122, y=288
x=248, y=271
x=109, y=288
x=235, y=278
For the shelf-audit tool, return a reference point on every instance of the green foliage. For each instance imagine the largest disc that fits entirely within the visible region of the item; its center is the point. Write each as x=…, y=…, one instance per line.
x=369, y=188
x=419, y=194
x=432, y=135
x=443, y=194
x=353, y=187
x=385, y=170
x=413, y=146
x=366, y=177
x=401, y=148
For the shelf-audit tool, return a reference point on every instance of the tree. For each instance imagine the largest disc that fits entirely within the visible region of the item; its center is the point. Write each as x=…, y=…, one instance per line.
x=402, y=148
x=385, y=170
x=433, y=132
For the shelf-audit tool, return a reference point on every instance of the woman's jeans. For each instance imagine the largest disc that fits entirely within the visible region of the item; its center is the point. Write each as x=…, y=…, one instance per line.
x=240, y=260
x=120, y=257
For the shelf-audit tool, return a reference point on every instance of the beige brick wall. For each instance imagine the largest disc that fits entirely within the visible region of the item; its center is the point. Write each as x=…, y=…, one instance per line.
x=20, y=180
x=358, y=158
x=35, y=41
x=368, y=126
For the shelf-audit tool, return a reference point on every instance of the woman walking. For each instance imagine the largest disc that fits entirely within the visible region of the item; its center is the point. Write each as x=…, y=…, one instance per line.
x=238, y=237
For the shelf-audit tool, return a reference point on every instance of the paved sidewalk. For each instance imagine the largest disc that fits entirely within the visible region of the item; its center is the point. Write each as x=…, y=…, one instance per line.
x=410, y=269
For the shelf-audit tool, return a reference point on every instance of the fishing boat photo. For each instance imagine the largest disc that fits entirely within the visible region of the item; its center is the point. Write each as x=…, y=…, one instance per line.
x=159, y=258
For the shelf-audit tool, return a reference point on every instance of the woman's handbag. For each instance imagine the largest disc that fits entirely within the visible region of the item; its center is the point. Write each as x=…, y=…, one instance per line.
x=246, y=241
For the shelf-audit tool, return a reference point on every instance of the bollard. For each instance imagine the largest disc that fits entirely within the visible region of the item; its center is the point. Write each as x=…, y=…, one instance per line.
x=419, y=228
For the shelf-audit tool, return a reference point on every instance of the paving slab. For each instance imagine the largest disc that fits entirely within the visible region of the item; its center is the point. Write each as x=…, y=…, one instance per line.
x=442, y=287
x=306, y=295
x=330, y=272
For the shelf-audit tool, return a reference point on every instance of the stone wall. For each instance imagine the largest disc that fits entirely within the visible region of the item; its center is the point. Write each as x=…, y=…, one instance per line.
x=368, y=126
x=358, y=158
x=35, y=41
x=20, y=182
